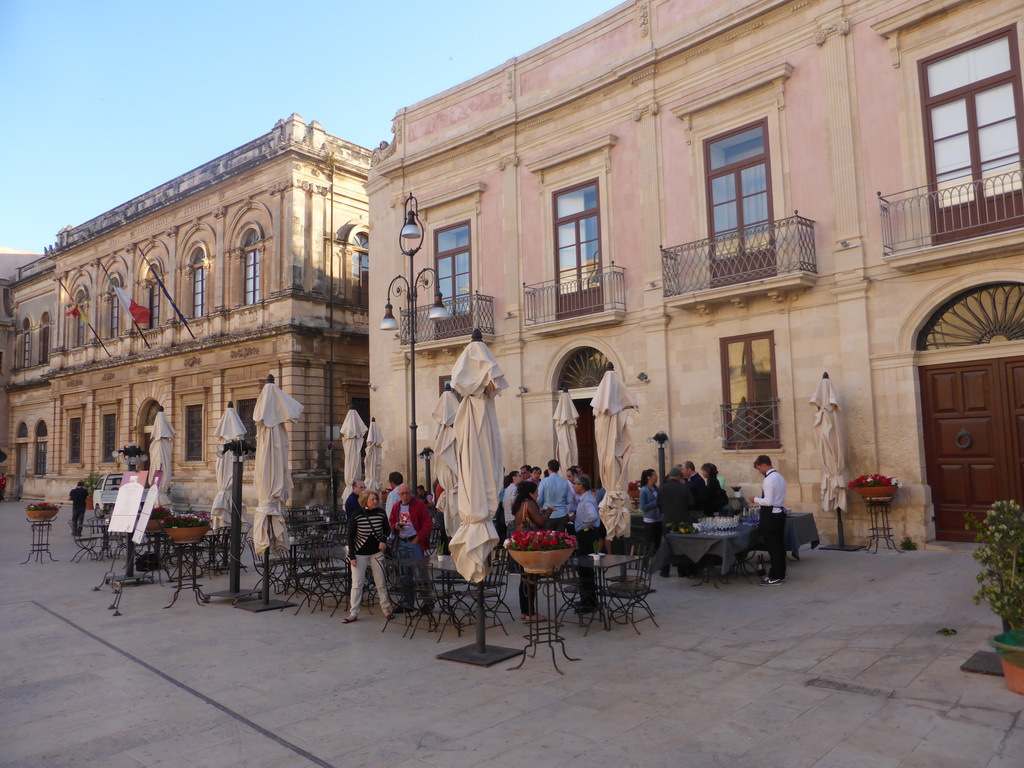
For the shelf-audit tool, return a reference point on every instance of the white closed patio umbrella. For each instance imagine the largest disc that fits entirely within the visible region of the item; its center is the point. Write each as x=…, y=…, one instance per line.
x=477, y=376
x=353, y=429
x=831, y=446
x=566, y=450
x=161, y=451
x=612, y=404
x=229, y=429
x=373, y=462
x=447, y=457
x=273, y=481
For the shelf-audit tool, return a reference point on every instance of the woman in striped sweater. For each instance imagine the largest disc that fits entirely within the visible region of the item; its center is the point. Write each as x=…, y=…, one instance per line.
x=367, y=540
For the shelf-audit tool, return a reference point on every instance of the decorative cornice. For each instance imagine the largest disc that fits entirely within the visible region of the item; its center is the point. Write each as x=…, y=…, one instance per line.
x=469, y=190
x=601, y=143
x=643, y=18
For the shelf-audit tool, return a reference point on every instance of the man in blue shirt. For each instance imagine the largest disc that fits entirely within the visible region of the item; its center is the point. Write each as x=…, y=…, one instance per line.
x=588, y=536
x=555, y=494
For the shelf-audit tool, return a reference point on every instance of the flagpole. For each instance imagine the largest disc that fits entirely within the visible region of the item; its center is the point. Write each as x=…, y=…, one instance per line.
x=164, y=289
x=84, y=317
x=134, y=321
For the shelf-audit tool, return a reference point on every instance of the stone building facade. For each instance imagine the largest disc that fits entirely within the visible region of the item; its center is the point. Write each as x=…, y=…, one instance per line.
x=265, y=253
x=727, y=199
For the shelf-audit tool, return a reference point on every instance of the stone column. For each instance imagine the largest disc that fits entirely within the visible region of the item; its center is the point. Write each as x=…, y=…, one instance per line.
x=650, y=181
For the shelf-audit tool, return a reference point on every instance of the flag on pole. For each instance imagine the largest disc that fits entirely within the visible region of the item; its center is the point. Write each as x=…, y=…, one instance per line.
x=72, y=311
x=166, y=293
x=138, y=312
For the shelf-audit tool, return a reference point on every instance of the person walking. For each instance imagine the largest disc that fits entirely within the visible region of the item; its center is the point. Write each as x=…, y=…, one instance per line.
x=78, y=498
x=772, y=526
x=367, y=541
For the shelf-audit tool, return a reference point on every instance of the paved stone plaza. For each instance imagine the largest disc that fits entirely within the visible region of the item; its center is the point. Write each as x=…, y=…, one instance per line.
x=839, y=667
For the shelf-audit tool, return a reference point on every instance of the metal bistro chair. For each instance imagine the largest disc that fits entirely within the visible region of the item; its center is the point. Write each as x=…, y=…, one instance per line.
x=278, y=576
x=627, y=596
x=496, y=588
x=86, y=543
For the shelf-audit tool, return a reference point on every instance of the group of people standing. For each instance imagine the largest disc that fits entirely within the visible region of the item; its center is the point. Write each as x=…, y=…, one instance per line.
x=687, y=495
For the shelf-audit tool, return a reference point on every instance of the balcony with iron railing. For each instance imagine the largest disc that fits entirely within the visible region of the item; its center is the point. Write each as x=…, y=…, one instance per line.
x=763, y=258
x=464, y=314
x=598, y=298
x=932, y=225
x=753, y=425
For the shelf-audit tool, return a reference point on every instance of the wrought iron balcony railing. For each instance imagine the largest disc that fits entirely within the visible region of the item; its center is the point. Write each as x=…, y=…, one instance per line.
x=931, y=215
x=741, y=256
x=750, y=425
x=600, y=291
x=464, y=314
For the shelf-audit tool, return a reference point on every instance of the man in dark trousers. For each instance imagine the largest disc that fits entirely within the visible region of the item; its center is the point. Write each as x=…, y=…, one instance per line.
x=78, y=497
x=696, y=484
x=411, y=522
x=677, y=506
x=772, y=526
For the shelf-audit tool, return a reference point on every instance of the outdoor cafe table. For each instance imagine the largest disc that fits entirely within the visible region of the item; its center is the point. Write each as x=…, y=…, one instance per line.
x=694, y=546
x=800, y=529
x=602, y=567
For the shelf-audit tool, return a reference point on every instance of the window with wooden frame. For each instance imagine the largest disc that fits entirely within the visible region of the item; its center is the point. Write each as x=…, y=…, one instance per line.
x=41, y=448
x=245, y=409
x=154, y=305
x=750, y=416
x=361, y=268
x=114, y=324
x=453, y=262
x=75, y=440
x=193, y=433
x=44, y=339
x=738, y=178
x=971, y=98
x=577, y=223
x=26, y=343
x=79, y=320
x=109, y=437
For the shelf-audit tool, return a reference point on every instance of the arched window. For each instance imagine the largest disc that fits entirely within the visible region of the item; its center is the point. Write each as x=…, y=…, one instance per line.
x=154, y=305
x=981, y=315
x=361, y=268
x=44, y=339
x=26, y=344
x=22, y=431
x=79, y=320
x=114, y=323
x=583, y=369
x=41, y=445
x=251, y=267
x=198, y=282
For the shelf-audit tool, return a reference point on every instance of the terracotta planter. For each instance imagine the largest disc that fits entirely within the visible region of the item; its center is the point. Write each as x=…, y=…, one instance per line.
x=877, y=491
x=1014, y=676
x=542, y=563
x=634, y=494
x=154, y=526
x=89, y=503
x=182, y=535
x=41, y=515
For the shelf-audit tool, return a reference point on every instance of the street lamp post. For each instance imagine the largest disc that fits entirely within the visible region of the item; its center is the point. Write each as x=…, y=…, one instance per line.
x=426, y=454
x=410, y=242
x=661, y=438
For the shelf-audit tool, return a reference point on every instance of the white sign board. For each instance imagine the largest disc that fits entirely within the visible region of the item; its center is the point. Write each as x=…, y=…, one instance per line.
x=147, y=508
x=126, y=507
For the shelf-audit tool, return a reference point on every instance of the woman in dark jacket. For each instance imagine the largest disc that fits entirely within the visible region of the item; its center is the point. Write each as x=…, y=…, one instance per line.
x=528, y=517
x=716, y=497
x=367, y=540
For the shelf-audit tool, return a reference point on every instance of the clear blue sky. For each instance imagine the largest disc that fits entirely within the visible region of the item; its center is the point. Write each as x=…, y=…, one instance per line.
x=105, y=99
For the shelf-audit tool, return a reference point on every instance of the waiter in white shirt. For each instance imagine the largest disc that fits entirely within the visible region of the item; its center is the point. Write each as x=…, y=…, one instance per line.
x=772, y=527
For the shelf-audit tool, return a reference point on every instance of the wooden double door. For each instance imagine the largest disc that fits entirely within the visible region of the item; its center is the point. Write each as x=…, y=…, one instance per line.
x=973, y=417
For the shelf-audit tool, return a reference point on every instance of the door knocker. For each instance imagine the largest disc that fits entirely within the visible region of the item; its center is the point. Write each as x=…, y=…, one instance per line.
x=963, y=439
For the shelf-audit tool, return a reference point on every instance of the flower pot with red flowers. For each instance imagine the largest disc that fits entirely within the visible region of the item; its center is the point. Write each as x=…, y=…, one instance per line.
x=875, y=486
x=186, y=526
x=634, y=490
x=41, y=512
x=540, y=552
x=156, y=518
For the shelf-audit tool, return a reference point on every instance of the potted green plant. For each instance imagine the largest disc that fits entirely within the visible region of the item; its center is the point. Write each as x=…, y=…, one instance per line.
x=90, y=482
x=541, y=552
x=1001, y=555
x=875, y=486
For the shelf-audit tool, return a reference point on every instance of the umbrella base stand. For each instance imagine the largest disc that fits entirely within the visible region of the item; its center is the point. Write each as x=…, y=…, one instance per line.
x=479, y=653
x=263, y=602
x=239, y=595
x=842, y=546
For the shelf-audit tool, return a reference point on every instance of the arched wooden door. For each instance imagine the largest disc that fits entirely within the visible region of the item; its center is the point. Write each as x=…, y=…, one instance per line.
x=580, y=374
x=973, y=412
